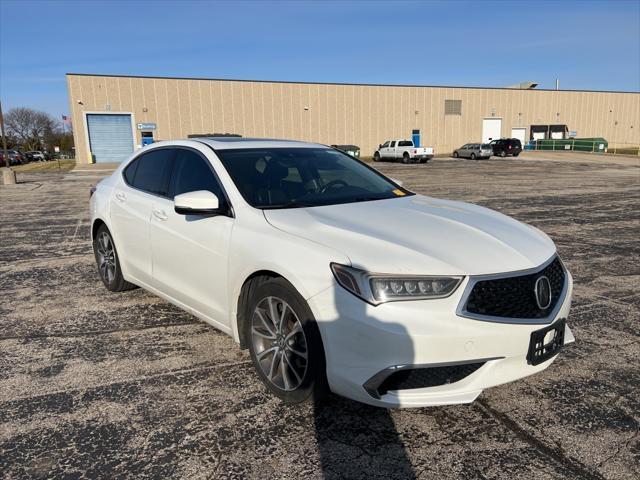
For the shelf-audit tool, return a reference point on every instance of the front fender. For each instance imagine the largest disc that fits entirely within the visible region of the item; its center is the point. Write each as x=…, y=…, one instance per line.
x=260, y=246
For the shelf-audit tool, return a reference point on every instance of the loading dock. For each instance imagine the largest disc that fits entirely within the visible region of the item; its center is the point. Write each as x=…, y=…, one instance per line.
x=110, y=136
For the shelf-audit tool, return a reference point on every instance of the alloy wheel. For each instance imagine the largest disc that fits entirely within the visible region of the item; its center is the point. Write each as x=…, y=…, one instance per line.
x=106, y=257
x=279, y=343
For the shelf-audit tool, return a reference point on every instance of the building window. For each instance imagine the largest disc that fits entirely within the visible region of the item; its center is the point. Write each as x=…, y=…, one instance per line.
x=453, y=107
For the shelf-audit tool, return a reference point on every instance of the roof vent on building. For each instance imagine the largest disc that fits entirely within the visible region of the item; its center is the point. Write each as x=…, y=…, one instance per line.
x=524, y=85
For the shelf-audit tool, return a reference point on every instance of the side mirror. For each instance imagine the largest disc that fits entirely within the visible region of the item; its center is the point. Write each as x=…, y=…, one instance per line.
x=200, y=202
x=397, y=182
x=380, y=146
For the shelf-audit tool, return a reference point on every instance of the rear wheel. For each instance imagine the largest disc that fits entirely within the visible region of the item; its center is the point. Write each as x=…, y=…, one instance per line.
x=516, y=154
x=285, y=344
x=104, y=250
x=376, y=157
x=405, y=158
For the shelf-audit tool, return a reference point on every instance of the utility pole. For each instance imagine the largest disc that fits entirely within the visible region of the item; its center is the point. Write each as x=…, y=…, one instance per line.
x=4, y=139
x=8, y=175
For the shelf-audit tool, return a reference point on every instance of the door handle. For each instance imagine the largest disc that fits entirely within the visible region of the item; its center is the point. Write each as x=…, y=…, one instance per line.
x=121, y=196
x=159, y=214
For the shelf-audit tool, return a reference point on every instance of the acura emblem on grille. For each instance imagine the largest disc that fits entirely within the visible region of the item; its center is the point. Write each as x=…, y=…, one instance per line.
x=542, y=292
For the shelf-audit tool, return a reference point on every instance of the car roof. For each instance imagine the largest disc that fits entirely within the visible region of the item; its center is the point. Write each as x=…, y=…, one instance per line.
x=229, y=143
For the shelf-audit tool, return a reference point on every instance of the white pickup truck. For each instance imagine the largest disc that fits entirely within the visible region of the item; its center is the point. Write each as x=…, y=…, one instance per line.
x=403, y=150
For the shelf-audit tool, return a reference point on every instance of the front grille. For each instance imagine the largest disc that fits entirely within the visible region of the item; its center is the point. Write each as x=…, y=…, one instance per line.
x=427, y=377
x=514, y=297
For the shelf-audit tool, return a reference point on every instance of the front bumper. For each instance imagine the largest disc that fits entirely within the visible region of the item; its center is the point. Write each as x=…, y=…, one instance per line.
x=361, y=341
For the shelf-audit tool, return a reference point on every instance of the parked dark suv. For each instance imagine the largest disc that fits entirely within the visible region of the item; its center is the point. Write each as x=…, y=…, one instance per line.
x=506, y=146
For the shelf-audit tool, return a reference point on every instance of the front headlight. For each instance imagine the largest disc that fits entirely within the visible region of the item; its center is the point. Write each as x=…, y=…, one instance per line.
x=377, y=288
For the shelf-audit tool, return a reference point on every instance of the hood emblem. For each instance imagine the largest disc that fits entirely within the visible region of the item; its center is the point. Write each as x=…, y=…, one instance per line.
x=542, y=291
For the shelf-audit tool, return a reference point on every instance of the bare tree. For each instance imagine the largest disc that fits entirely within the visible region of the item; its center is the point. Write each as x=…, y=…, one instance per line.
x=30, y=127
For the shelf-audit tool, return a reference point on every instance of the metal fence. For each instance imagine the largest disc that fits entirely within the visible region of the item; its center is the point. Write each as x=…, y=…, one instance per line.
x=587, y=145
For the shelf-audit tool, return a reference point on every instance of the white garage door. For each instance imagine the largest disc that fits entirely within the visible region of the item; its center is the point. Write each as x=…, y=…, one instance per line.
x=491, y=129
x=110, y=137
x=519, y=133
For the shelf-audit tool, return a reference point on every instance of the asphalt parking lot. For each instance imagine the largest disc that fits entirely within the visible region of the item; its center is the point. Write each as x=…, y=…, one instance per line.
x=102, y=385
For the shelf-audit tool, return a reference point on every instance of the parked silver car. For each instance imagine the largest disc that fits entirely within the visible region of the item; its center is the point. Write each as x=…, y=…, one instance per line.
x=474, y=150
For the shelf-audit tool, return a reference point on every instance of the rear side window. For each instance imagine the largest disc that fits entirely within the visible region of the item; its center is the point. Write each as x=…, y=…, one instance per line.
x=152, y=171
x=130, y=172
x=405, y=143
x=393, y=144
x=191, y=172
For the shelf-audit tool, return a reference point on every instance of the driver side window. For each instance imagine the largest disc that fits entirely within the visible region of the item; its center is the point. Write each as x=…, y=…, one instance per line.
x=191, y=172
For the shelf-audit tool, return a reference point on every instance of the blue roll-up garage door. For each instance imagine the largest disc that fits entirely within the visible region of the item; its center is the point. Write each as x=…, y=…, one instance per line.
x=110, y=137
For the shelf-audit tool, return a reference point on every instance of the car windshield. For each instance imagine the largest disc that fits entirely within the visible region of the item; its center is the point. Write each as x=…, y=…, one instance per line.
x=304, y=177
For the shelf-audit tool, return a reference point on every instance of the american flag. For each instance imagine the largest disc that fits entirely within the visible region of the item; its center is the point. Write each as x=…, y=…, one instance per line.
x=66, y=119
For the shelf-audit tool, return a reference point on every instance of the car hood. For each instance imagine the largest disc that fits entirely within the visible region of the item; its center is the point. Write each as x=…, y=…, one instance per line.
x=419, y=235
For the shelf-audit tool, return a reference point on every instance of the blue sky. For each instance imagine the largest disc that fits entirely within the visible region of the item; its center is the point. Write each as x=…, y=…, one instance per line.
x=589, y=44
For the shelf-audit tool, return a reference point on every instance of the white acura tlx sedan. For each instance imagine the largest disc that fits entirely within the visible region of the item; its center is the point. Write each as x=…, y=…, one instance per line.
x=334, y=276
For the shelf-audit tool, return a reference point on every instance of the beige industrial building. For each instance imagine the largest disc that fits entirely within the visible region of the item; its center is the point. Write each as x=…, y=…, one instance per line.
x=114, y=115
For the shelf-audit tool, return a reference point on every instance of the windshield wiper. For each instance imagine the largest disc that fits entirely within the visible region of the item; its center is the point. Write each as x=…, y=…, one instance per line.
x=370, y=198
x=294, y=204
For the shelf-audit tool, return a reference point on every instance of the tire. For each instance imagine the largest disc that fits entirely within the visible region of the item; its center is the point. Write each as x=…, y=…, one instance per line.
x=405, y=158
x=516, y=154
x=503, y=154
x=281, y=363
x=473, y=156
x=455, y=154
x=376, y=157
x=104, y=251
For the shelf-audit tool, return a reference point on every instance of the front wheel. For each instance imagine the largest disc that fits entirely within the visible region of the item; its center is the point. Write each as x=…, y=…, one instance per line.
x=455, y=155
x=286, y=347
x=473, y=156
x=503, y=154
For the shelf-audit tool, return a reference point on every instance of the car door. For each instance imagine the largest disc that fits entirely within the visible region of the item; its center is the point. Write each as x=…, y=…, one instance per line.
x=384, y=150
x=392, y=149
x=132, y=199
x=190, y=252
x=463, y=151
